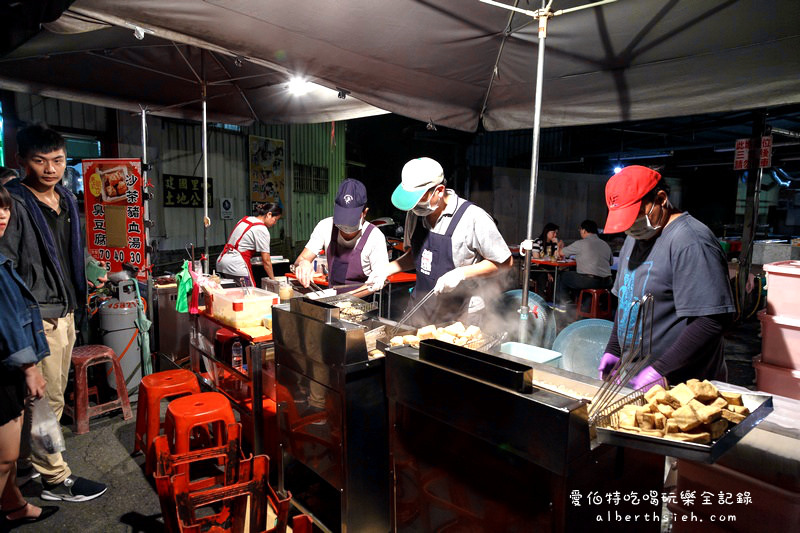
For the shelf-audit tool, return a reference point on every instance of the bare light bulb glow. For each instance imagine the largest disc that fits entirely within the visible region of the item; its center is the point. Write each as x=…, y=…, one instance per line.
x=299, y=86
x=617, y=170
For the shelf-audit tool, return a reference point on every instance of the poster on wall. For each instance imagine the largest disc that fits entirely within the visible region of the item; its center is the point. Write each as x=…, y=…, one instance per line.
x=267, y=176
x=114, y=204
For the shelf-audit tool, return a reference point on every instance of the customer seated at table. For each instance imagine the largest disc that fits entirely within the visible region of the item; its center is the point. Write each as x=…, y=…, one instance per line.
x=546, y=244
x=594, y=259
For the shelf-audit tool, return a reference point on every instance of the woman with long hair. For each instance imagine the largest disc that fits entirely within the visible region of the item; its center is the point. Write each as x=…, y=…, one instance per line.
x=22, y=345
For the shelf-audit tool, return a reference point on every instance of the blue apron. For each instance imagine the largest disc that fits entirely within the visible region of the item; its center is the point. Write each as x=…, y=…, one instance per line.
x=433, y=257
x=344, y=264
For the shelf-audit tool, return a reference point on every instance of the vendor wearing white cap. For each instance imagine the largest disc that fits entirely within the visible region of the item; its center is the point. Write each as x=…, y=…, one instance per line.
x=449, y=241
x=354, y=248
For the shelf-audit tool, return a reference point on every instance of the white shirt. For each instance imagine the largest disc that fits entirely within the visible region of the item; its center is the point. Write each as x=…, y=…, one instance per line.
x=374, y=255
x=475, y=238
x=256, y=239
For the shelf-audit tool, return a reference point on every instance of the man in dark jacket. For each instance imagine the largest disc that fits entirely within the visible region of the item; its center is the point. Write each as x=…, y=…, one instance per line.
x=44, y=241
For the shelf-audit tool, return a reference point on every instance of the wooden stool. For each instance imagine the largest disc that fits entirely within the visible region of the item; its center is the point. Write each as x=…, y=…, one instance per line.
x=152, y=390
x=82, y=358
x=597, y=309
x=198, y=410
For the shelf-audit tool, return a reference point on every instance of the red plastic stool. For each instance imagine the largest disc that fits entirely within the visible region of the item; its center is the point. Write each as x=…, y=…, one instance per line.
x=82, y=358
x=197, y=411
x=600, y=305
x=152, y=390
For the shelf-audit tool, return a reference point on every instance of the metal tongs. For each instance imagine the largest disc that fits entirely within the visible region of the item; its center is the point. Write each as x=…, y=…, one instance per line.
x=411, y=311
x=636, y=354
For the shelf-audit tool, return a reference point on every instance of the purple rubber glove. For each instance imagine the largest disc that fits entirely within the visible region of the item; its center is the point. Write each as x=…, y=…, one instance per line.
x=645, y=379
x=607, y=363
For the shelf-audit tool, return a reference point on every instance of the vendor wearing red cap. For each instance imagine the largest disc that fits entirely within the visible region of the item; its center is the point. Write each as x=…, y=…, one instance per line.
x=354, y=248
x=451, y=242
x=678, y=260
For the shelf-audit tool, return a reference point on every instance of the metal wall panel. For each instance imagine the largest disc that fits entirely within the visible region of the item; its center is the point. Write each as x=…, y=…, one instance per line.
x=59, y=113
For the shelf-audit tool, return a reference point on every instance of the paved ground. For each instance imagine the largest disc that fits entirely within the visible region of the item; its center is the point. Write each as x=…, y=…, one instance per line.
x=104, y=454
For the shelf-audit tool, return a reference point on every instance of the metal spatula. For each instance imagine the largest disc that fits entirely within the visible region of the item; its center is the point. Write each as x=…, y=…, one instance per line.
x=411, y=312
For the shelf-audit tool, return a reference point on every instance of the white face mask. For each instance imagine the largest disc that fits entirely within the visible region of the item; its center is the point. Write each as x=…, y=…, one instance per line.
x=424, y=209
x=642, y=229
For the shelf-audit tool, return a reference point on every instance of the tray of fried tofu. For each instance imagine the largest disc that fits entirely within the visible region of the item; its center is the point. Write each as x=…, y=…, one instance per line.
x=693, y=420
x=455, y=333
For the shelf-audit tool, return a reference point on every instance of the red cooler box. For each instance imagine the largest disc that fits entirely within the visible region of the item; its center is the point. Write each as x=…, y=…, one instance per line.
x=783, y=288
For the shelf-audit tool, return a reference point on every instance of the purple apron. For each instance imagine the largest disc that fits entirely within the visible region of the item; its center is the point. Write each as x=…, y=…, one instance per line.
x=433, y=257
x=344, y=264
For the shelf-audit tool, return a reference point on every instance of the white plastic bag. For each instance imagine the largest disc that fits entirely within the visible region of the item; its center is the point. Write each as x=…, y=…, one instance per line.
x=46, y=436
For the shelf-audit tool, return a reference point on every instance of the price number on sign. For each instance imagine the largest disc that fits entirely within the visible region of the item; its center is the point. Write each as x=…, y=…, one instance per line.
x=136, y=257
x=119, y=256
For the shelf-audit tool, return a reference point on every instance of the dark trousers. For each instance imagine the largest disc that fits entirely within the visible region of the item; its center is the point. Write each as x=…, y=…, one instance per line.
x=572, y=281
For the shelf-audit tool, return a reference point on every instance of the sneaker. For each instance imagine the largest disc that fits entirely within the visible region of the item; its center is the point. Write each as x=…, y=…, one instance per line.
x=26, y=474
x=73, y=489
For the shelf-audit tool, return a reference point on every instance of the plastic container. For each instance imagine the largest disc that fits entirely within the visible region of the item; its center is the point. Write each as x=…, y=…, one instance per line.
x=531, y=353
x=783, y=288
x=780, y=340
x=777, y=379
x=771, y=508
x=243, y=309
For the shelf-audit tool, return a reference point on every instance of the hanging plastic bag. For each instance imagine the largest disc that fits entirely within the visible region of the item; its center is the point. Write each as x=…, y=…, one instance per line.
x=46, y=436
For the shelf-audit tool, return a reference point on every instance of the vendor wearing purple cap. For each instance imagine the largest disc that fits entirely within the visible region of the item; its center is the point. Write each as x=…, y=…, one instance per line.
x=354, y=248
x=677, y=259
x=450, y=241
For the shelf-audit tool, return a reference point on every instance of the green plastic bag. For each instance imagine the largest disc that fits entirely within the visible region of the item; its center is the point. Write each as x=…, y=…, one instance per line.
x=184, y=279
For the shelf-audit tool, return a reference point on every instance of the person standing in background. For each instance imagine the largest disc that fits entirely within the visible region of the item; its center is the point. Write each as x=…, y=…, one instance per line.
x=22, y=345
x=45, y=242
x=250, y=236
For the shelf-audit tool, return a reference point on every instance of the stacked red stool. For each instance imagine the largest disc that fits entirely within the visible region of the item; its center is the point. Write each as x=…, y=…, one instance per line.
x=599, y=304
x=84, y=357
x=152, y=390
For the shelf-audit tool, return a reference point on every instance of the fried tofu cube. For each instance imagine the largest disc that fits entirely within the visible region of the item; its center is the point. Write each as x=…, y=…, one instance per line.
x=627, y=415
x=646, y=420
x=703, y=391
x=740, y=409
x=706, y=413
x=686, y=418
x=670, y=400
x=733, y=398
x=720, y=402
x=700, y=438
x=396, y=341
x=651, y=394
x=445, y=337
x=665, y=409
x=660, y=421
x=682, y=393
x=460, y=341
x=730, y=416
x=629, y=429
x=413, y=340
x=456, y=329
x=717, y=428
x=428, y=332
x=473, y=332
x=672, y=426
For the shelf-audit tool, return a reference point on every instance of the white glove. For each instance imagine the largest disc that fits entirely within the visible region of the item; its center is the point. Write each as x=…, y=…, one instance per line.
x=305, y=273
x=377, y=279
x=449, y=281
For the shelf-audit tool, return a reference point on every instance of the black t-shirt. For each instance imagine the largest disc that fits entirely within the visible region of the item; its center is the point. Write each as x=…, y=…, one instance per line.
x=685, y=270
x=60, y=228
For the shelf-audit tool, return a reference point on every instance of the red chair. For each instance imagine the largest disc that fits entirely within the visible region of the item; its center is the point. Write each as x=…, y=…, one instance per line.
x=82, y=358
x=200, y=412
x=152, y=390
x=597, y=304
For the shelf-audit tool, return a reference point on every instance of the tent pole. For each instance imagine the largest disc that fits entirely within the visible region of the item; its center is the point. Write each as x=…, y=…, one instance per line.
x=544, y=15
x=146, y=203
x=206, y=220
